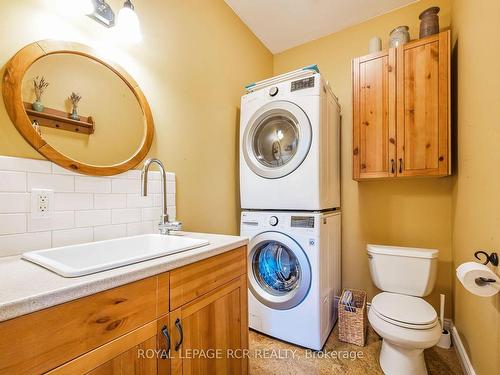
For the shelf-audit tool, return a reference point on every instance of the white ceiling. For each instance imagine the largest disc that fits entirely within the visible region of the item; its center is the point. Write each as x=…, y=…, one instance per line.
x=283, y=24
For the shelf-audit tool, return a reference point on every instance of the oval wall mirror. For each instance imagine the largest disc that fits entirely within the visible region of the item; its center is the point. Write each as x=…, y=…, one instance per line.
x=77, y=109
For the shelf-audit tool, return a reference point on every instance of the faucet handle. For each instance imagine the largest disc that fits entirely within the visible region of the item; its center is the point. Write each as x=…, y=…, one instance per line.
x=175, y=226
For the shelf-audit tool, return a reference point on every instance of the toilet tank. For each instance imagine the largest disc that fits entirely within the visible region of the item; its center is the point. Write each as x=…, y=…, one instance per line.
x=404, y=270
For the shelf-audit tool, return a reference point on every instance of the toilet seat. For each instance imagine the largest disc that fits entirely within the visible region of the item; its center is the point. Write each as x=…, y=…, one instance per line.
x=404, y=311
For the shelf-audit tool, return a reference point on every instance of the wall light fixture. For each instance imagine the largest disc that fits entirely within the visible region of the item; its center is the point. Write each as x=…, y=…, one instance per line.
x=127, y=22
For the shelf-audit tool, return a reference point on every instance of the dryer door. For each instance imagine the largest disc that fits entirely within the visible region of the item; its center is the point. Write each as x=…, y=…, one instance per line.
x=277, y=139
x=278, y=271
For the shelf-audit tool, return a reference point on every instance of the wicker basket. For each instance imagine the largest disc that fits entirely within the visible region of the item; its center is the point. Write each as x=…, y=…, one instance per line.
x=353, y=324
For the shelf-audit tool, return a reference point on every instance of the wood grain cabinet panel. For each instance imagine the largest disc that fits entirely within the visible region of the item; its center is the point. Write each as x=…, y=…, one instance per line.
x=194, y=280
x=40, y=341
x=374, y=86
x=214, y=330
x=401, y=111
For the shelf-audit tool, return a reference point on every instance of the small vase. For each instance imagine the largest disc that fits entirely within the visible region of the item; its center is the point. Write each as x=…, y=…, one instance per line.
x=399, y=36
x=74, y=115
x=37, y=106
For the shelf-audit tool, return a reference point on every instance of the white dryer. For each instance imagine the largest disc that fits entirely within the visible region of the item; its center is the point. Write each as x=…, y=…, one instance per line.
x=290, y=144
x=294, y=267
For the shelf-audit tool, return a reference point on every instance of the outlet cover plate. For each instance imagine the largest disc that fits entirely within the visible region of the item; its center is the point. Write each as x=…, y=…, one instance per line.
x=42, y=203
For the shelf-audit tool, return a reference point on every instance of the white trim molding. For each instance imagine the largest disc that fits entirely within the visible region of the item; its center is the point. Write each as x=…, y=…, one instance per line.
x=461, y=352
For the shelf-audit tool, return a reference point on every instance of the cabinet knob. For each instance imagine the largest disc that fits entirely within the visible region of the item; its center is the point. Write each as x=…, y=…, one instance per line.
x=389, y=68
x=355, y=151
x=392, y=140
x=441, y=158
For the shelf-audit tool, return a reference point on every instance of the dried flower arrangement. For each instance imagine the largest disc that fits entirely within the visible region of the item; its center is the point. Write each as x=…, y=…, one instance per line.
x=39, y=84
x=74, y=98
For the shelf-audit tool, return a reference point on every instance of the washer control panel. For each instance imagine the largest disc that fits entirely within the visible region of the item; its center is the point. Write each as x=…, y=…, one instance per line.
x=302, y=84
x=302, y=222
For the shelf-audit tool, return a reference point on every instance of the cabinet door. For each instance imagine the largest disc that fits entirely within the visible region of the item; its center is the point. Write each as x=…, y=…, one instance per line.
x=374, y=115
x=423, y=121
x=209, y=332
x=132, y=353
x=139, y=360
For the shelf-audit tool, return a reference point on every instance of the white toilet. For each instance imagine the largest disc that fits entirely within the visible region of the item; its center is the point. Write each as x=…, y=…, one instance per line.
x=406, y=323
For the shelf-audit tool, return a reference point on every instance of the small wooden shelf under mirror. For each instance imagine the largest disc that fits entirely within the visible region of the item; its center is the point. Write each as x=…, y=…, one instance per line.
x=54, y=118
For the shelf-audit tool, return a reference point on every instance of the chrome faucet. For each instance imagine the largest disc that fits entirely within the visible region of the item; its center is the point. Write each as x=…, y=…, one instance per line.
x=165, y=226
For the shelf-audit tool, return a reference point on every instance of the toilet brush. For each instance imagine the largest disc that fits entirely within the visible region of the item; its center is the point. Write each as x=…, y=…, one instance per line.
x=445, y=340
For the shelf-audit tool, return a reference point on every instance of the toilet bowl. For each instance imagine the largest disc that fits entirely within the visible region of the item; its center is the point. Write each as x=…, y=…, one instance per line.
x=406, y=322
x=408, y=326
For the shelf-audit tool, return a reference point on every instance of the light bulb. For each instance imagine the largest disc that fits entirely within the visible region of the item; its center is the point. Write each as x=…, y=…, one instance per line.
x=128, y=26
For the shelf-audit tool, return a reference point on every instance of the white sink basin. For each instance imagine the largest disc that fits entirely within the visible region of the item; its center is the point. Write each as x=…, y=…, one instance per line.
x=84, y=259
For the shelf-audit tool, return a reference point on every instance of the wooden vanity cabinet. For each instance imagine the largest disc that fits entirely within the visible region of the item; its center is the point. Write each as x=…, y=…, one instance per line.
x=158, y=325
x=401, y=111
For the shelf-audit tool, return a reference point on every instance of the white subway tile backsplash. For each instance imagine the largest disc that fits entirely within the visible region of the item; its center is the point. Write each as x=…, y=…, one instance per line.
x=126, y=215
x=137, y=201
x=92, y=218
x=58, y=183
x=172, y=213
x=73, y=201
x=145, y=227
x=152, y=213
x=108, y=201
x=57, y=220
x=14, y=202
x=56, y=169
x=154, y=187
x=85, y=208
x=12, y=181
x=12, y=223
x=92, y=184
x=19, y=243
x=109, y=232
x=72, y=236
x=122, y=185
x=8, y=163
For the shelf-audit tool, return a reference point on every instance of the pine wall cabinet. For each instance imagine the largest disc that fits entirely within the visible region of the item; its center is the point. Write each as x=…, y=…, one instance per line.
x=401, y=111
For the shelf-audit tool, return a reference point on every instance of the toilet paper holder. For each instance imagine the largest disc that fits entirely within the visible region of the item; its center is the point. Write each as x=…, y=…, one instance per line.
x=490, y=258
x=482, y=281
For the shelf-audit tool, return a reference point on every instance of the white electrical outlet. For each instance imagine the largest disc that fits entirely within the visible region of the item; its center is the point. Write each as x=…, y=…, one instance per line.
x=42, y=201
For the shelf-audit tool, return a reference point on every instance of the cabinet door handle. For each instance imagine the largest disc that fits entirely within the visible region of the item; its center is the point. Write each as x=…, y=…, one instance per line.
x=166, y=336
x=400, y=165
x=178, y=325
x=392, y=166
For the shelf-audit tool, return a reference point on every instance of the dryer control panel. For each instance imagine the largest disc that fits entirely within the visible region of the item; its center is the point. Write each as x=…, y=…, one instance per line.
x=302, y=84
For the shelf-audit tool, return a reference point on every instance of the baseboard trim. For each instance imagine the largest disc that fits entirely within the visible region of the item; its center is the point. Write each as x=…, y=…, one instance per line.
x=461, y=352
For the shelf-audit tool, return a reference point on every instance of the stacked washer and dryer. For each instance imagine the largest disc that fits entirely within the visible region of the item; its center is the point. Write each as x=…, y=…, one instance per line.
x=290, y=196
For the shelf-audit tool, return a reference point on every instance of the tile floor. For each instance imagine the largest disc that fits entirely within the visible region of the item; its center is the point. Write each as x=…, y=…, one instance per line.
x=439, y=361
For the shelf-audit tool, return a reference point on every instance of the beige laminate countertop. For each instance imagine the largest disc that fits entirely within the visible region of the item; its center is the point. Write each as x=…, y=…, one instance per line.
x=26, y=287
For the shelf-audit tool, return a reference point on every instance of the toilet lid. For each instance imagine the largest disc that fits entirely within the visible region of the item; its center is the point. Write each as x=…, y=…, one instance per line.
x=406, y=311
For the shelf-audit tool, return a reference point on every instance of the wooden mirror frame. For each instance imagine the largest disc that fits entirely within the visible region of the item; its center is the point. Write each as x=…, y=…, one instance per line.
x=12, y=96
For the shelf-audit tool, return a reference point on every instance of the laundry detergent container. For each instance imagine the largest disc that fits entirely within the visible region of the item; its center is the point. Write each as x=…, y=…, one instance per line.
x=403, y=270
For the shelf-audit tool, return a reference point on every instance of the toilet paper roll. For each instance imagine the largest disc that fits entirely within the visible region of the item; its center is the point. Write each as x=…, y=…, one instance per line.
x=468, y=272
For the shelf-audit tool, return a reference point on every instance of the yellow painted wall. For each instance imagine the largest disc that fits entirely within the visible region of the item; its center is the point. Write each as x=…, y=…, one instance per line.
x=411, y=212
x=476, y=202
x=192, y=65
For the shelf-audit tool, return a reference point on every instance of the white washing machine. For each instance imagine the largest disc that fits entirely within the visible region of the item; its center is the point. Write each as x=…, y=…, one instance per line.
x=294, y=274
x=290, y=144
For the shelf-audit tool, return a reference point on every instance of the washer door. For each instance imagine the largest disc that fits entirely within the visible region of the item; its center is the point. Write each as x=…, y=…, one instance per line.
x=277, y=139
x=278, y=270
